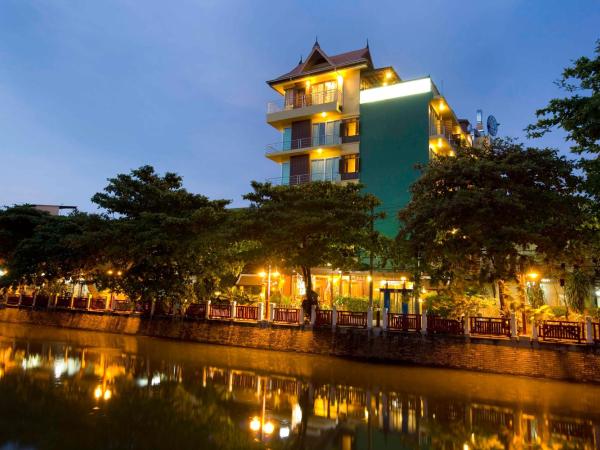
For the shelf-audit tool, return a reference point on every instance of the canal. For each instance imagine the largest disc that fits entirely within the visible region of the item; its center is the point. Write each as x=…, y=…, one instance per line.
x=84, y=390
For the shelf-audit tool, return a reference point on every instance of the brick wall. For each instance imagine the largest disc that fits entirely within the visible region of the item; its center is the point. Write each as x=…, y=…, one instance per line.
x=557, y=361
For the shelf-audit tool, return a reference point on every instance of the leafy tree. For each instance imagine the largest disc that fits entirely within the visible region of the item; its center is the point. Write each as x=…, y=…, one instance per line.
x=311, y=225
x=578, y=289
x=476, y=215
x=18, y=223
x=578, y=115
x=163, y=240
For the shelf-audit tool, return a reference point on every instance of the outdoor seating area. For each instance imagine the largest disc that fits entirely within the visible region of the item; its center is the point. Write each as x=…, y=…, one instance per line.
x=558, y=331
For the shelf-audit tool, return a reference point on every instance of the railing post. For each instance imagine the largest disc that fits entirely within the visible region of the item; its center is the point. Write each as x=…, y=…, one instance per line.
x=534, y=330
x=424, y=322
x=313, y=315
x=467, y=327
x=300, y=316
x=208, y=309
x=369, y=318
x=233, y=309
x=261, y=311
x=272, y=312
x=333, y=318
x=385, y=318
x=513, y=325
x=589, y=330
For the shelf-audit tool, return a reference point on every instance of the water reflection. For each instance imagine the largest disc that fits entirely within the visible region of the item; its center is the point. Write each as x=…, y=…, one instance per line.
x=71, y=393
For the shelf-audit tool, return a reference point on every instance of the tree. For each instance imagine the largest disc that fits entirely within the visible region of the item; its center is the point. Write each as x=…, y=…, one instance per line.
x=578, y=115
x=578, y=289
x=311, y=225
x=164, y=239
x=481, y=213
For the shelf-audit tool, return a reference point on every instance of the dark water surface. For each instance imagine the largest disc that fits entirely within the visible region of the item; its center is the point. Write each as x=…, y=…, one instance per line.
x=63, y=389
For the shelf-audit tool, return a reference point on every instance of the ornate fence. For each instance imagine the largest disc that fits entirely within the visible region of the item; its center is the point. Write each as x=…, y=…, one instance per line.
x=351, y=319
x=27, y=301
x=13, y=300
x=439, y=325
x=63, y=301
x=196, y=311
x=220, y=312
x=98, y=304
x=244, y=312
x=489, y=326
x=121, y=306
x=550, y=330
x=42, y=301
x=323, y=318
x=80, y=303
x=287, y=315
x=404, y=322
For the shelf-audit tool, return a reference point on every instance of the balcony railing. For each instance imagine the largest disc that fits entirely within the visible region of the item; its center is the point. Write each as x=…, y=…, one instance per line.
x=307, y=142
x=438, y=128
x=308, y=177
x=303, y=100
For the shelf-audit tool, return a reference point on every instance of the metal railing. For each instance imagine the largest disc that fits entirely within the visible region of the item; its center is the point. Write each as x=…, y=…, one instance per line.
x=298, y=101
x=121, y=305
x=286, y=315
x=305, y=142
x=13, y=300
x=550, y=330
x=438, y=128
x=404, y=322
x=306, y=178
x=98, y=304
x=323, y=317
x=351, y=319
x=80, y=303
x=489, y=326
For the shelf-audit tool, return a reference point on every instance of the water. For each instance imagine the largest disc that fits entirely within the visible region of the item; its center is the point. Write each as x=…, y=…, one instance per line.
x=78, y=390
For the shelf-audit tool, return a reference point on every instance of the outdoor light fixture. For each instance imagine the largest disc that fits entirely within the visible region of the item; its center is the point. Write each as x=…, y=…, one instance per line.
x=262, y=273
x=275, y=274
x=3, y=272
x=284, y=432
x=255, y=424
x=268, y=428
x=388, y=74
x=533, y=275
x=109, y=272
x=323, y=114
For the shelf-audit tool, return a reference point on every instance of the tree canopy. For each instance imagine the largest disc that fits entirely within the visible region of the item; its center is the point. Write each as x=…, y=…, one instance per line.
x=311, y=225
x=477, y=214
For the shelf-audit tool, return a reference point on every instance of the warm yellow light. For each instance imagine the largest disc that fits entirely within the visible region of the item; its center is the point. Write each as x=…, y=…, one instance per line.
x=533, y=275
x=119, y=273
x=402, y=278
x=439, y=143
x=107, y=394
x=262, y=273
x=276, y=274
x=319, y=150
x=307, y=83
x=98, y=392
x=388, y=74
x=109, y=272
x=268, y=428
x=454, y=230
x=452, y=153
x=385, y=83
x=323, y=114
x=340, y=80
x=369, y=278
x=395, y=90
x=255, y=424
x=442, y=106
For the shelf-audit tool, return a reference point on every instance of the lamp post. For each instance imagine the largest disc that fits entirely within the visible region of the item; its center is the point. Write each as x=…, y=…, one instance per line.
x=268, y=276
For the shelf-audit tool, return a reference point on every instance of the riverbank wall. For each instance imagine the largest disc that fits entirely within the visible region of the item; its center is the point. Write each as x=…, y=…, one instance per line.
x=502, y=356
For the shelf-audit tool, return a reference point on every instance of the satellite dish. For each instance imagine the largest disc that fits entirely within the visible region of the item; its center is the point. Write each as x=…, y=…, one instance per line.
x=492, y=126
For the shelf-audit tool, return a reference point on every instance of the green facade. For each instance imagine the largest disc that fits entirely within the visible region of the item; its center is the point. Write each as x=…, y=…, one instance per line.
x=394, y=136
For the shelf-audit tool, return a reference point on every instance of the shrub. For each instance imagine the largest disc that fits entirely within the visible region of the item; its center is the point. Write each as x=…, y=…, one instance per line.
x=352, y=303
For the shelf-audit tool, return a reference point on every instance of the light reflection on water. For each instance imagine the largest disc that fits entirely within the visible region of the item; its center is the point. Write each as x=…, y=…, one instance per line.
x=67, y=389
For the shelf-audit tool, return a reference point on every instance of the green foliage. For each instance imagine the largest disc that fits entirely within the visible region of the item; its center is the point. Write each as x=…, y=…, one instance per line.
x=352, y=303
x=578, y=114
x=473, y=216
x=310, y=225
x=578, y=290
x=454, y=304
x=535, y=295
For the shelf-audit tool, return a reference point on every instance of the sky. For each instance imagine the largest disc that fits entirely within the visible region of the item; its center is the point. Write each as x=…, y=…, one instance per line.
x=90, y=89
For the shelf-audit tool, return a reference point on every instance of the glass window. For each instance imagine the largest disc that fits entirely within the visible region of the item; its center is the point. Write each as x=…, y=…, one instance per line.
x=317, y=170
x=285, y=173
x=287, y=139
x=332, y=169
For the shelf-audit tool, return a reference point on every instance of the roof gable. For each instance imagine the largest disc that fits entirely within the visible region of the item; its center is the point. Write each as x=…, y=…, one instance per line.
x=316, y=59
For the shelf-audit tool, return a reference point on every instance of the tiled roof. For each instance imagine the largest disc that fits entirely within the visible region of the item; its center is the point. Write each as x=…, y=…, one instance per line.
x=337, y=61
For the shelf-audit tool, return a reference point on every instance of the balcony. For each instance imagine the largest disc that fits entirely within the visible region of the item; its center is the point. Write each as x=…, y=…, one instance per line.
x=302, y=105
x=284, y=149
x=309, y=177
x=441, y=137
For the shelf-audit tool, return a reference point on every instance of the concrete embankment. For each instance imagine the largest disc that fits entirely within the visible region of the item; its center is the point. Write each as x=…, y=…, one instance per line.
x=502, y=356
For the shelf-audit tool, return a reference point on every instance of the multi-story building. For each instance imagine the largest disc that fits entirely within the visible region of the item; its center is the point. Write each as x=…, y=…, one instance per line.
x=343, y=120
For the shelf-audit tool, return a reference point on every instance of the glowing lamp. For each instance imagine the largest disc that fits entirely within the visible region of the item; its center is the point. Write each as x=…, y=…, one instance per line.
x=107, y=394
x=98, y=392
x=268, y=428
x=109, y=272
x=369, y=278
x=323, y=114
x=388, y=74
x=255, y=424
x=262, y=274
x=276, y=274
x=533, y=275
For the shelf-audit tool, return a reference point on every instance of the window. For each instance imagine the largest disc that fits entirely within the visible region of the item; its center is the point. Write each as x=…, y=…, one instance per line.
x=325, y=169
x=350, y=130
x=349, y=167
x=285, y=173
x=326, y=133
x=287, y=139
x=323, y=92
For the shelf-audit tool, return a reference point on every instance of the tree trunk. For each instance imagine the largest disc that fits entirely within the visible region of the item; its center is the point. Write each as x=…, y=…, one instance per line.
x=501, y=295
x=310, y=299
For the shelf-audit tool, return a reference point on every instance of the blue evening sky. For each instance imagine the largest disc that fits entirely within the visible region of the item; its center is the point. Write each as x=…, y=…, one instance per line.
x=92, y=88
